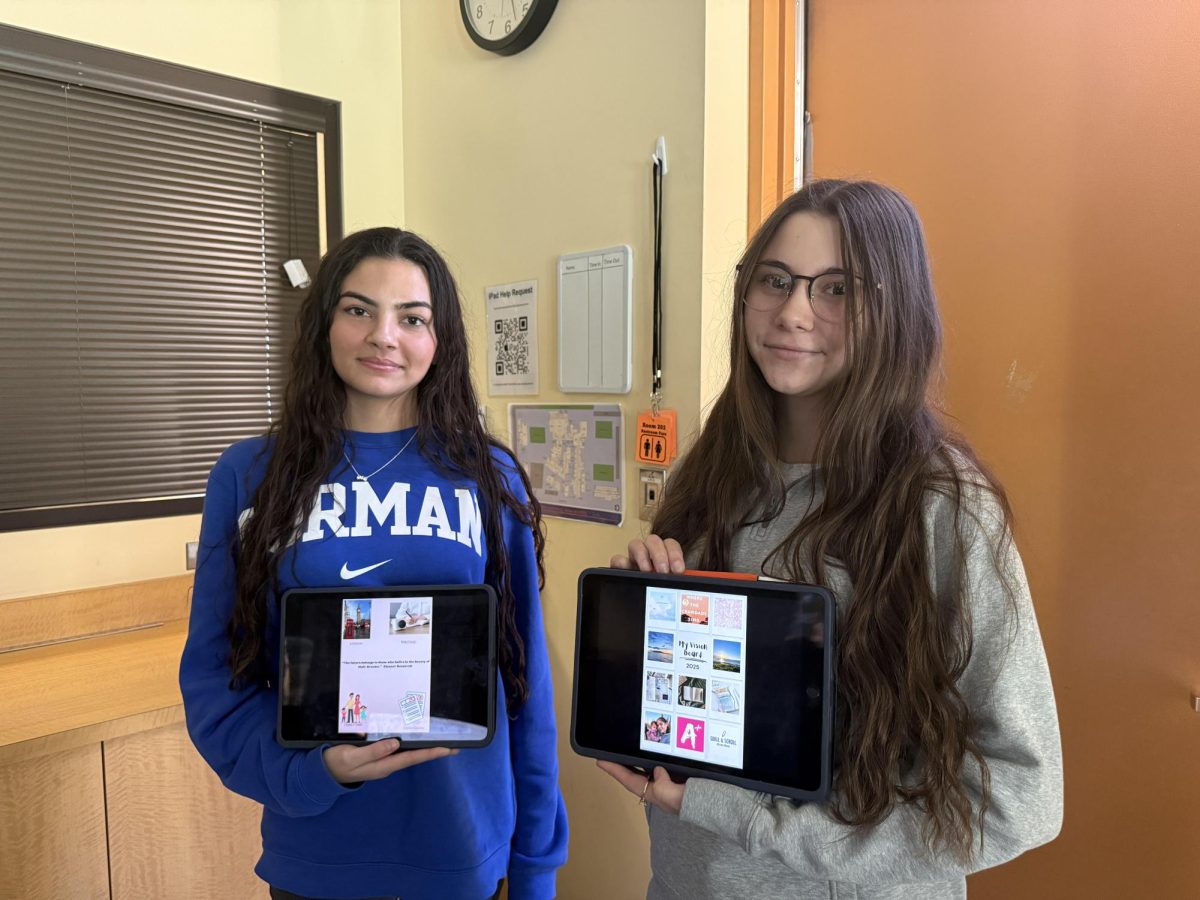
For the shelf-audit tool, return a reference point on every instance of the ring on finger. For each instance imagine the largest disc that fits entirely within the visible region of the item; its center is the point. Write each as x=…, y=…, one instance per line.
x=642, y=798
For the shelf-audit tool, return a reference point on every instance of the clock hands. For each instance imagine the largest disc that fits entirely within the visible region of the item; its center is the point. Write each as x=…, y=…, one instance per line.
x=520, y=24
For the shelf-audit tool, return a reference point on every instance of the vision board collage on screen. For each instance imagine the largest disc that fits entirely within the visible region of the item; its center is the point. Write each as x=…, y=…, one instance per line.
x=694, y=675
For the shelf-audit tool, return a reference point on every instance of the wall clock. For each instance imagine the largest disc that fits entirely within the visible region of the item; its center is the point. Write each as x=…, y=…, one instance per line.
x=505, y=26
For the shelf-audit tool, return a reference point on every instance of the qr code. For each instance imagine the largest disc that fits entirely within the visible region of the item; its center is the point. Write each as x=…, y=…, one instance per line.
x=512, y=346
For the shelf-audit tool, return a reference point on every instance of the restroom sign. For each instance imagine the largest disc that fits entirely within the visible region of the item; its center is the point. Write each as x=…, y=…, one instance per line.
x=656, y=437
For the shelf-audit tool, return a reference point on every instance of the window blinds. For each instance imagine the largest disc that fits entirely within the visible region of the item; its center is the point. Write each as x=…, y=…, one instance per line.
x=145, y=321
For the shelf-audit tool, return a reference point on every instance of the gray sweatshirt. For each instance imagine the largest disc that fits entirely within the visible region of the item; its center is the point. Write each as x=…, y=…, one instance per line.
x=730, y=842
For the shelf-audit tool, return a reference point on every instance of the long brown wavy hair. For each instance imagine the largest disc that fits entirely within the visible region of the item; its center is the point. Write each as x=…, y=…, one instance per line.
x=882, y=447
x=307, y=439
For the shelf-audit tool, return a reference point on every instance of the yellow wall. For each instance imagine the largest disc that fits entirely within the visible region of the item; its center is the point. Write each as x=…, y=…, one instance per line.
x=507, y=163
x=345, y=51
x=510, y=162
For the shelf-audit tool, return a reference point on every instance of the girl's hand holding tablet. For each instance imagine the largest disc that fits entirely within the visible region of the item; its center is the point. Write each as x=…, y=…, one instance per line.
x=350, y=764
x=652, y=555
x=658, y=790
x=665, y=557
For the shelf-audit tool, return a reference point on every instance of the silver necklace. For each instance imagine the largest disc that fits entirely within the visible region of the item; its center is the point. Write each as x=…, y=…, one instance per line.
x=359, y=476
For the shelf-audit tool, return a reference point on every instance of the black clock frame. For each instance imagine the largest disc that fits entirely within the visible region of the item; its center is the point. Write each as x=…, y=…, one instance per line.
x=520, y=37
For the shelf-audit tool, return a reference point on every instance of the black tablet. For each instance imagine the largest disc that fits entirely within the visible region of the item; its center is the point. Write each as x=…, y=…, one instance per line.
x=708, y=677
x=416, y=663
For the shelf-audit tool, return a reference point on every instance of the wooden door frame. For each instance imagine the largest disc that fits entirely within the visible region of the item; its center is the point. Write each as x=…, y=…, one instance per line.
x=772, y=119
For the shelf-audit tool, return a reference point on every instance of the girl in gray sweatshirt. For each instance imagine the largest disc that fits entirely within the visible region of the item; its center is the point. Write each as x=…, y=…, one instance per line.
x=824, y=460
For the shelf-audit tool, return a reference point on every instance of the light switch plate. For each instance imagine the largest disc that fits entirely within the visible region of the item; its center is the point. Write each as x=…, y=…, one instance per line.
x=650, y=485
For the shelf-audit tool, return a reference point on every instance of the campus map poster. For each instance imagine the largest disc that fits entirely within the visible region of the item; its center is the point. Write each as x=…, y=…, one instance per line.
x=572, y=454
x=693, y=672
x=385, y=666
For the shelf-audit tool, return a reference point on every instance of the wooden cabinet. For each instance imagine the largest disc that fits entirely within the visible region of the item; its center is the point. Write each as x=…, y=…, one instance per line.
x=102, y=795
x=52, y=838
x=174, y=831
x=137, y=816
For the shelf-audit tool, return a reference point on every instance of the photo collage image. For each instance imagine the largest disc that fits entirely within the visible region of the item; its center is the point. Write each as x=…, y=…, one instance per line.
x=385, y=665
x=693, y=675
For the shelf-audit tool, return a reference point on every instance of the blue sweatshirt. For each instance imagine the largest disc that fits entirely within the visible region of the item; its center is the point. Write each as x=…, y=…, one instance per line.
x=450, y=828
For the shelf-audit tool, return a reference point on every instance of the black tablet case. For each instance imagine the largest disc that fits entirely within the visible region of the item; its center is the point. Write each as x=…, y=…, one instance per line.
x=463, y=670
x=682, y=768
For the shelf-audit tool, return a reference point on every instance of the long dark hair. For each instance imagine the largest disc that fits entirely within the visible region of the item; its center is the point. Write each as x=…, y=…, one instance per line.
x=881, y=448
x=307, y=444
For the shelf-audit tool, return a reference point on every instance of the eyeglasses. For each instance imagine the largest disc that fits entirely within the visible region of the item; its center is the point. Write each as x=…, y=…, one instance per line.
x=771, y=286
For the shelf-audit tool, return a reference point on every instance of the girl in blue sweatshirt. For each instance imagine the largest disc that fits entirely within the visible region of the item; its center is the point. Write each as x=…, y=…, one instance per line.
x=377, y=472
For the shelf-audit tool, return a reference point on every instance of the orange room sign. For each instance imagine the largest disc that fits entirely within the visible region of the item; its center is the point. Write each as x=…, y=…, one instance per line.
x=656, y=437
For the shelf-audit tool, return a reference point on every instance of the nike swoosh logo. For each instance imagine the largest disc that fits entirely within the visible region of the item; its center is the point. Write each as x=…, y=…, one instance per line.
x=348, y=573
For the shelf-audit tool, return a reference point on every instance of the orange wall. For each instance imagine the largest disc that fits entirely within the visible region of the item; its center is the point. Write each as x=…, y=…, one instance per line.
x=1052, y=150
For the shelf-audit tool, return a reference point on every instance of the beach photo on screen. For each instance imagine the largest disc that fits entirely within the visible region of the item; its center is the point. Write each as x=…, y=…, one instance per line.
x=727, y=656
x=659, y=647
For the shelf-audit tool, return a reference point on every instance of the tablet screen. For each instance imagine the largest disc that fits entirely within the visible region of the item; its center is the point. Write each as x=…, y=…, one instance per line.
x=417, y=663
x=719, y=678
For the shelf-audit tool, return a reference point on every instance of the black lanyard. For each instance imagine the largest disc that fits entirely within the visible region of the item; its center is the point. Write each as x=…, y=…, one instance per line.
x=656, y=183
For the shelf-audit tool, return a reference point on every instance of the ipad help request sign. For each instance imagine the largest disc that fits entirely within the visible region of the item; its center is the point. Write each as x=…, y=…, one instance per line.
x=385, y=665
x=694, y=666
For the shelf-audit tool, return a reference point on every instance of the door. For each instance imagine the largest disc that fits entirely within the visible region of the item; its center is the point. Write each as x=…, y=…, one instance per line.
x=1051, y=149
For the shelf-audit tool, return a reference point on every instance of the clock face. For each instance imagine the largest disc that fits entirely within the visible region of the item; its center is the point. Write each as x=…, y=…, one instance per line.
x=505, y=26
x=494, y=19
